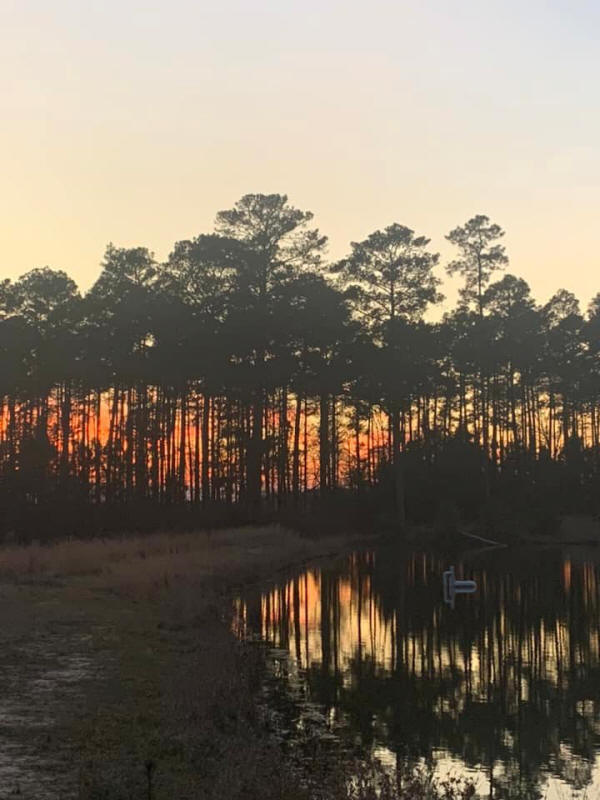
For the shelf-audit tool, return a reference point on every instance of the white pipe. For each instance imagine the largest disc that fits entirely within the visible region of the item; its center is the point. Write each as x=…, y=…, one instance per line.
x=451, y=587
x=464, y=587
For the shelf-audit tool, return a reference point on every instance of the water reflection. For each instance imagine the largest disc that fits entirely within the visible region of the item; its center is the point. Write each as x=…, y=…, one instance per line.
x=508, y=684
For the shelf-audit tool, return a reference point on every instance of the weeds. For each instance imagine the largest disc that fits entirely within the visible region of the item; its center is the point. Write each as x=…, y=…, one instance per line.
x=145, y=565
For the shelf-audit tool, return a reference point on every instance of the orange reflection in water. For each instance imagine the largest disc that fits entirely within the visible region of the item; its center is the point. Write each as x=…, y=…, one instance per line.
x=513, y=671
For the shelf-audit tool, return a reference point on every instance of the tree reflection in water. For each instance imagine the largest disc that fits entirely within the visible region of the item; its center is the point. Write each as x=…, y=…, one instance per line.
x=508, y=684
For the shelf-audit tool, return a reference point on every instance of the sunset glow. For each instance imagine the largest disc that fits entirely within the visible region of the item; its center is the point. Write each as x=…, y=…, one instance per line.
x=136, y=122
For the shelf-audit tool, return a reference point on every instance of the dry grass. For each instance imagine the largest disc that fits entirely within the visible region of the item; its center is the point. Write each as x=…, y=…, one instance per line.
x=146, y=564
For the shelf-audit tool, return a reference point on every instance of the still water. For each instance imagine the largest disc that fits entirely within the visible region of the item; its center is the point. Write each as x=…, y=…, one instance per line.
x=505, y=687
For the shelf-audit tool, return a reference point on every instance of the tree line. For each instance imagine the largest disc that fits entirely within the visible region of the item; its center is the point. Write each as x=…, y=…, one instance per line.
x=246, y=370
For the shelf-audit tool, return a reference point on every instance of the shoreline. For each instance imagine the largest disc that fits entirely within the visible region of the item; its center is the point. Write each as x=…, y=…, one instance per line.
x=131, y=641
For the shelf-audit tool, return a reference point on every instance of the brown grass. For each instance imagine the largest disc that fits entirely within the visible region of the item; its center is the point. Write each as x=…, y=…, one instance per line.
x=145, y=564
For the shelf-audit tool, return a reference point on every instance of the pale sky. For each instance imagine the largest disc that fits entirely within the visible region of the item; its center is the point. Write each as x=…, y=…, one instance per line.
x=136, y=121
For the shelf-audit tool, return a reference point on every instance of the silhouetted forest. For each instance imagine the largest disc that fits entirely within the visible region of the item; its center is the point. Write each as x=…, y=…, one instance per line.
x=246, y=372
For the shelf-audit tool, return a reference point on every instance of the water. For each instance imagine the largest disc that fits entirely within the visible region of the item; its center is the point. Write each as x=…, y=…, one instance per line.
x=504, y=688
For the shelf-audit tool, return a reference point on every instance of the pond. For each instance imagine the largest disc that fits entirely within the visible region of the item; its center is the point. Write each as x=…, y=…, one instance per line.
x=504, y=688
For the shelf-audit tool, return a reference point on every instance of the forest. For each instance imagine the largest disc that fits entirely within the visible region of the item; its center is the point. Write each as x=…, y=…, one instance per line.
x=248, y=373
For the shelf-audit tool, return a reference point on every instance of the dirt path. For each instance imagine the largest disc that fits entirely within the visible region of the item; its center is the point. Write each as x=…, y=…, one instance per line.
x=49, y=662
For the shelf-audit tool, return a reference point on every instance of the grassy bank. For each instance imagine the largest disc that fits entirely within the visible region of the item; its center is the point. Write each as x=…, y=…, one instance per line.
x=146, y=687
x=142, y=566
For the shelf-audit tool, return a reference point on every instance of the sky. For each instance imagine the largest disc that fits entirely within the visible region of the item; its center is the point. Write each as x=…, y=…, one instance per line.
x=135, y=122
